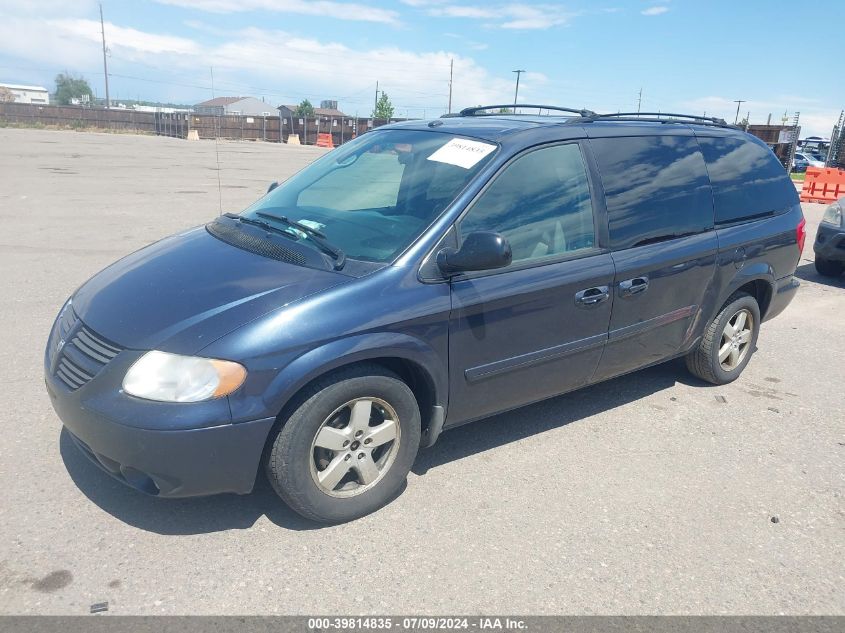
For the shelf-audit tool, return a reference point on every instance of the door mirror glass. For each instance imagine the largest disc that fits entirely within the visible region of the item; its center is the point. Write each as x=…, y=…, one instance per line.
x=481, y=250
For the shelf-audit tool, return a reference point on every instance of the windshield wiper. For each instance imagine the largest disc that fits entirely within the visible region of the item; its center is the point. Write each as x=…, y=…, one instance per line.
x=285, y=220
x=316, y=236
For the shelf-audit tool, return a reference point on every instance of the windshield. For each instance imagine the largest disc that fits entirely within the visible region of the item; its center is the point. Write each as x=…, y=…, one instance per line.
x=375, y=195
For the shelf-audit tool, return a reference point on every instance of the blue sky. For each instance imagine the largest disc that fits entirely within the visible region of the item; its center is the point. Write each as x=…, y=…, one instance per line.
x=687, y=55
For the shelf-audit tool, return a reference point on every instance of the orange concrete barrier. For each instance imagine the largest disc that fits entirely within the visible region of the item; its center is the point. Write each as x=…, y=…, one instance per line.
x=823, y=184
x=325, y=140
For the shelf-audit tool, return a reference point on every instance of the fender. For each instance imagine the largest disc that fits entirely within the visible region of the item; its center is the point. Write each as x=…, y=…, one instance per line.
x=345, y=351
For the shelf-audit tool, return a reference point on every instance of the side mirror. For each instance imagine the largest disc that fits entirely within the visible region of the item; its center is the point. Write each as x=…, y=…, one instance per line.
x=272, y=186
x=481, y=250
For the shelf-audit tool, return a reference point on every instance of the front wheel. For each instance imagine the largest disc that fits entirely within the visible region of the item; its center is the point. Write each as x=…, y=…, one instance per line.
x=828, y=267
x=728, y=342
x=346, y=450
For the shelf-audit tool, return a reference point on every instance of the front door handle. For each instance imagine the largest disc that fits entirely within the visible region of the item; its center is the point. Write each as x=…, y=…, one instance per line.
x=633, y=286
x=592, y=296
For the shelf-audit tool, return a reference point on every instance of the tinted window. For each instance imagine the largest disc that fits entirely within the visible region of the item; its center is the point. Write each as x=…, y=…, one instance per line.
x=540, y=202
x=656, y=188
x=748, y=180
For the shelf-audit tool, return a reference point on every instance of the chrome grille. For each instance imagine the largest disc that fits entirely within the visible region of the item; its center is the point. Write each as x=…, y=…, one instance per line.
x=84, y=356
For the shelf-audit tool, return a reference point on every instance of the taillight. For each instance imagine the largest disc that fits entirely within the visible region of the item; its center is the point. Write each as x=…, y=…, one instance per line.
x=801, y=234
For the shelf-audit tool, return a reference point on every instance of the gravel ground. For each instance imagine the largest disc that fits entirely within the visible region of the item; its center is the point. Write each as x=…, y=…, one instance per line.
x=651, y=493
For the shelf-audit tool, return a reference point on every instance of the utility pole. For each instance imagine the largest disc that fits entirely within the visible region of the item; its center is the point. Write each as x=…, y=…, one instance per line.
x=738, y=103
x=105, y=63
x=639, y=100
x=516, y=93
x=375, y=103
x=451, y=66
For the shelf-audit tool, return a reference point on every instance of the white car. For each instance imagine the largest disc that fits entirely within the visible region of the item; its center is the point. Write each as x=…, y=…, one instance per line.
x=811, y=160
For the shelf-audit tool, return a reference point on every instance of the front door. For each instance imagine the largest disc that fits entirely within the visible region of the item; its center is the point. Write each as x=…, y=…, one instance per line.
x=538, y=327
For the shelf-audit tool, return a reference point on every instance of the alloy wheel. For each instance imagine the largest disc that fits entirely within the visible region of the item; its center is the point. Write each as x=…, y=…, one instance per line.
x=355, y=447
x=736, y=339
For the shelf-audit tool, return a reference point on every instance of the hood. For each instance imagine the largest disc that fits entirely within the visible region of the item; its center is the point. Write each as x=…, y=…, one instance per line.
x=186, y=291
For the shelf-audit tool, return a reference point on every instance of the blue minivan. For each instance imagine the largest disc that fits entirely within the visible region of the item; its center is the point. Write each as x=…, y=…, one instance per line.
x=424, y=275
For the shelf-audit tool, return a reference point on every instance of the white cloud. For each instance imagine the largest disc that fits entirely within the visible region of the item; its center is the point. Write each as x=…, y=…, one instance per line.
x=279, y=66
x=507, y=16
x=323, y=8
x=658, y=10
x=126, y=38
x=412, y=80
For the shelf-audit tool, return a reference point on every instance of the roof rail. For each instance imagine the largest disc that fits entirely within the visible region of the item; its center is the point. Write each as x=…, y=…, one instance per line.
x=479, y=110
x=660, y=117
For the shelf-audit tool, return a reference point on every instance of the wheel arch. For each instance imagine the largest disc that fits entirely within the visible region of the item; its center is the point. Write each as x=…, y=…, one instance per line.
x=415, y=362
x=758, y=280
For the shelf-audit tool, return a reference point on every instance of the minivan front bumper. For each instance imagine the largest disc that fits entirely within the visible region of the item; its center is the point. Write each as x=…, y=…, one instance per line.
x=182, y=462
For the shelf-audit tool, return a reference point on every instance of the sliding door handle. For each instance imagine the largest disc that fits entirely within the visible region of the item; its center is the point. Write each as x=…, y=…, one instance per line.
x=592, y=296
x=633, y=286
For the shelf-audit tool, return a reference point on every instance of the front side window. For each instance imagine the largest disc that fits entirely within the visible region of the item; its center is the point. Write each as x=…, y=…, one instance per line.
x=540, y=202
x=375, y=195
x=656, y=188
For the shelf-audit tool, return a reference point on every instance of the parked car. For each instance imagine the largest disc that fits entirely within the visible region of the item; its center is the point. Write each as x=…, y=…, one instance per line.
x=800, y=164
x=425, y=275
x=829, y=246
x=803, y=160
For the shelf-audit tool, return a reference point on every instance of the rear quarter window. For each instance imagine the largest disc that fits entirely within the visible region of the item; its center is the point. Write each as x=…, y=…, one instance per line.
x=748, y=180
x=656, y=188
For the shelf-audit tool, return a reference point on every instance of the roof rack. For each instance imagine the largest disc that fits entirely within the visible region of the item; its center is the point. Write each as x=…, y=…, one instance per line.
x=479, y=110
x=588, y=116
x=660, y=117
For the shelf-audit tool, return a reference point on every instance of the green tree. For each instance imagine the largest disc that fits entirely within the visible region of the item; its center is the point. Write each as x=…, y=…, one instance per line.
x=384, y=109
x=69, y=87
x=304, y=109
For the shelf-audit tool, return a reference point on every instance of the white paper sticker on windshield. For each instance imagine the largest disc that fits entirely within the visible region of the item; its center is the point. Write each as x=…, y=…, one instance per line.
x=461, y=152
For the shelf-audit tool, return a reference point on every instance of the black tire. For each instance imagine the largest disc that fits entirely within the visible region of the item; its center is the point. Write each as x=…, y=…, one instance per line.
x=703, y=360
x=289, y=459
x=828, y=267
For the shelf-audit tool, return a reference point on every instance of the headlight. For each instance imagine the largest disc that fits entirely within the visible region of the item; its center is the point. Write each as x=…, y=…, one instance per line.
x=833, y=214
x=173, y=378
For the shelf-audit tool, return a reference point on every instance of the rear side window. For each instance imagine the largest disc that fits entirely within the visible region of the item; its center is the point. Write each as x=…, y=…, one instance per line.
x=748, y=180
x=656, y=188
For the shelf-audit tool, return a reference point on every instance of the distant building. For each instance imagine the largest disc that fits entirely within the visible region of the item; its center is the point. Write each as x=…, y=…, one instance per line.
x=26, y=94
x=288, y=111
x=248, y=106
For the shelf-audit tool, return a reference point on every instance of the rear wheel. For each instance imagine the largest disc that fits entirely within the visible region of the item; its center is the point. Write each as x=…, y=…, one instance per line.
x=728, y=342
x=828, y=267
x=346, y=450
